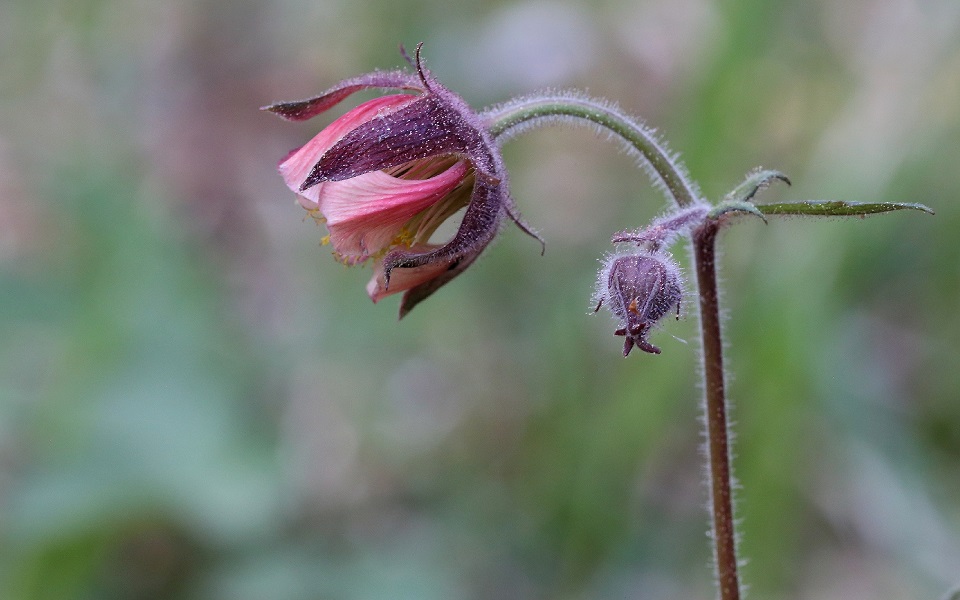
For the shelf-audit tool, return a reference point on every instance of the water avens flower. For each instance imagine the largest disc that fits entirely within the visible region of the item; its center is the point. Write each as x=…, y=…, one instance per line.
x=385, y=175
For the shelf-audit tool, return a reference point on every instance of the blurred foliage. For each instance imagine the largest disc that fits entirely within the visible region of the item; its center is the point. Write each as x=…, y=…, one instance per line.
x=196, y=402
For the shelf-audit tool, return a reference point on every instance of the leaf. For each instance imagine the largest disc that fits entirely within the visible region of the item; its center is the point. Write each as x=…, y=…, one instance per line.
x=733, y=207
x=755, y=182
x=837, y=208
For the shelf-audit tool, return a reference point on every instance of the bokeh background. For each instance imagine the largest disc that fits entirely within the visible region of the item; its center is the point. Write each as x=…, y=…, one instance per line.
x=197, y=402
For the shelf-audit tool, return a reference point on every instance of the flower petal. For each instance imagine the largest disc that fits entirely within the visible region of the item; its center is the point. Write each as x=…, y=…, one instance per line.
x=424, y=268
x=366, y=214
x=418, y=283
x=404, y=279
x=302, y=110
x=297, y=165
x=478, y=227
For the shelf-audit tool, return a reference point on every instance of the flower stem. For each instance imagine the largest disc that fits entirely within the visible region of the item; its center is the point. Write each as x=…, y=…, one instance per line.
x=715, y=408
x=520, y=114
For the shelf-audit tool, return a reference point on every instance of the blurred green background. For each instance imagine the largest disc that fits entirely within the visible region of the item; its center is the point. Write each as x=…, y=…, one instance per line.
x=197, y=402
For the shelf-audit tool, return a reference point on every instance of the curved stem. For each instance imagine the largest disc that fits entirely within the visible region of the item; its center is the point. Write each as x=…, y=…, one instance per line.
x=715, y=408
x=508, y=119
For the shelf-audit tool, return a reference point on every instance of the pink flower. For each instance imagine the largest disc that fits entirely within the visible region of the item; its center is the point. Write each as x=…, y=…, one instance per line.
x=386, y=174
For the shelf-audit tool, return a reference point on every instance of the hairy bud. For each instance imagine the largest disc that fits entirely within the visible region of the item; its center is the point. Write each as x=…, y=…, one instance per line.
x=639, y=288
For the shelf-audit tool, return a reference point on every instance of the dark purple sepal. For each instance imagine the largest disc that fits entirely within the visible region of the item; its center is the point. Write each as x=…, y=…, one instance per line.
x=423, y=128
x=418, y=294
x=301, y=110
x=511, y=209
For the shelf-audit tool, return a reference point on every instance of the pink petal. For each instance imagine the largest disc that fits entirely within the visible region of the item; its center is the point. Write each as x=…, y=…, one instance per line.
x=298, y=164
x=366, y=214
x=402, y=280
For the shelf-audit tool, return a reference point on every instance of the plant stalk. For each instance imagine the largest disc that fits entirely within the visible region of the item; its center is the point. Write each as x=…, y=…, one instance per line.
x=546, y=108
x=715, y=409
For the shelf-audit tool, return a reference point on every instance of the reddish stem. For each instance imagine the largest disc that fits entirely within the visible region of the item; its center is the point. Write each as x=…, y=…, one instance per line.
x=715, y=408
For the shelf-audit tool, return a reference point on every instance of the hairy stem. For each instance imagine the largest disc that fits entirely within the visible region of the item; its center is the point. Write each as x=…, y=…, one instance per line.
x=715, y=408
x=514, y=116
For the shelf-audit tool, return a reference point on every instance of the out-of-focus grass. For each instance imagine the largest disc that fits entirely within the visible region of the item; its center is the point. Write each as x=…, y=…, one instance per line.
x=197, y=402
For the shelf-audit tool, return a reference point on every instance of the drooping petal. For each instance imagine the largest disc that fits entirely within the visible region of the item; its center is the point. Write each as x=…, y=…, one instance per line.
x=405, y=279
x=422, y=291
x=297, y=165
x=302, y=110
x=366, y=214
x=424, y=128
x=478, y=227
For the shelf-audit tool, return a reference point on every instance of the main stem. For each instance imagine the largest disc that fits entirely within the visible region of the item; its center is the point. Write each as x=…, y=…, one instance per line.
x=718, y=446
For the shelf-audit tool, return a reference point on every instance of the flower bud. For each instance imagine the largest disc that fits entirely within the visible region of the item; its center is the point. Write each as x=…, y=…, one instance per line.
x=639, y=289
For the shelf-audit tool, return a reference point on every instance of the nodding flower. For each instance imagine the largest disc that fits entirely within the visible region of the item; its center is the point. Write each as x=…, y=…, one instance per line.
x=386, y=174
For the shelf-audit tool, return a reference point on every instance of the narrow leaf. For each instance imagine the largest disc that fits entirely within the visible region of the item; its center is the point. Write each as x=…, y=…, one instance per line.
x=754, y=183
x=837, y=208
x=732, y=207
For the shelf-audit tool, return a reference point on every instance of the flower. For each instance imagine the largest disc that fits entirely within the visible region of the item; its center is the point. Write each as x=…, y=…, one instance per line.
x=386, y=174
x=639, y=289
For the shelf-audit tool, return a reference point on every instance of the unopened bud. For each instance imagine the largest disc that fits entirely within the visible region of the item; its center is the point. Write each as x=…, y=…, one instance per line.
x=639, y=289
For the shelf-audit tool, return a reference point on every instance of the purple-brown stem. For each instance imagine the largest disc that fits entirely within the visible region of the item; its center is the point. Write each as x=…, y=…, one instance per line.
x=715, y=409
